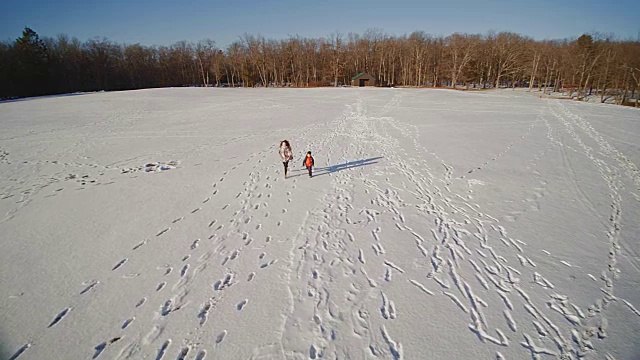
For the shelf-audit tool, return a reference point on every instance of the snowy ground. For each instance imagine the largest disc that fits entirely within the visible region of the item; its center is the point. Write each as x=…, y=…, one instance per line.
x=440, y=224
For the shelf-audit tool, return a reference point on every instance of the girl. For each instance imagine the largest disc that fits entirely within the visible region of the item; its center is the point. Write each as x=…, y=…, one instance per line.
x=286, y=154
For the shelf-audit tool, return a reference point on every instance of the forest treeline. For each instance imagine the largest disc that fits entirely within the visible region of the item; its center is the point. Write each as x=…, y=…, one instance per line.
x=591, y=65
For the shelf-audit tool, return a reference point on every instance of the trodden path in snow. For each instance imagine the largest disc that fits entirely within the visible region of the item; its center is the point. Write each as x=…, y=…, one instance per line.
x=416, y=238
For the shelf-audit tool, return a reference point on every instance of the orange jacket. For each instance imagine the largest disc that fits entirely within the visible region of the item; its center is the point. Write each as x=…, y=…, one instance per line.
x=308, y=161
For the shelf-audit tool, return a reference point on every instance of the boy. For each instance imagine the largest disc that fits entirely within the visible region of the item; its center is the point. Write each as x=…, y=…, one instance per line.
x=308, y=162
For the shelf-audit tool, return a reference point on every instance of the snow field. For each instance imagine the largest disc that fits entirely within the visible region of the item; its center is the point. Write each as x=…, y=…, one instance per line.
x=438, y=224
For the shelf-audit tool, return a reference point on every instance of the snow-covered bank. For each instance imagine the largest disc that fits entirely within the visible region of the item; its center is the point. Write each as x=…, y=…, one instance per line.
x=440, y=224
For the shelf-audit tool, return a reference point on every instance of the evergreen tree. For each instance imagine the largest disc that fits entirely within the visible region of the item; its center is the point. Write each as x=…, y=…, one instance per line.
x=30, y=72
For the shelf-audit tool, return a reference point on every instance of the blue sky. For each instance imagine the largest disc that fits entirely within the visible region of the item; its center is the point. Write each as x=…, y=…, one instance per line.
x=164, y=22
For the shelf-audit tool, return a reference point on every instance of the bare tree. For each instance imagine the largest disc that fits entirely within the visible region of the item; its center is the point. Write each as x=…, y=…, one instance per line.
x=587, y=56
x=535, y=52
x=34, y=66
x=336, y=65
x=507, y=51
x=460, y=49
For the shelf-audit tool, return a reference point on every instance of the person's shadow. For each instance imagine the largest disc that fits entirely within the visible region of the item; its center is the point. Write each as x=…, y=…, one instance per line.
x=318, y=171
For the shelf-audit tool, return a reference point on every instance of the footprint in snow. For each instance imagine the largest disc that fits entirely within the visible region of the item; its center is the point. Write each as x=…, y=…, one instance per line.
x=89, y=285
x=162, y=231
x=163, y=349
x=141, y=302
x=100, y=347
x=183, y=353
x=127, y=322
x=119, y=264
x=242, y=304
x=21, y=351
x=140, y=245
x=184, y=270
x=221, y=336
x=59, y=317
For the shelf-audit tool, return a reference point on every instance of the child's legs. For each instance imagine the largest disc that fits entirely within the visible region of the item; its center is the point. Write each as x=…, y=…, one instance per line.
x=309, y=168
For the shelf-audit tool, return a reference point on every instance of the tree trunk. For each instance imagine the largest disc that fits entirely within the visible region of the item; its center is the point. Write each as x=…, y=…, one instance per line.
x=204, y=81
x=536, y=61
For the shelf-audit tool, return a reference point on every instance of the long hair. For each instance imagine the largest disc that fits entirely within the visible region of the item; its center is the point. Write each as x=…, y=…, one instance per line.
x=286, y=142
